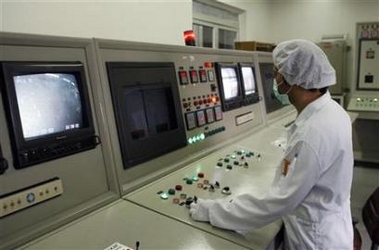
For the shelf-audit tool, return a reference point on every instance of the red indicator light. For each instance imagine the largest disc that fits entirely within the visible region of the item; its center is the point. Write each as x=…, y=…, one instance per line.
x=189, y=38
x=208, y=65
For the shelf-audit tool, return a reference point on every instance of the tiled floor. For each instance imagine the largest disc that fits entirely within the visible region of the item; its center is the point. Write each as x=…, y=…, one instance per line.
x=365, y=181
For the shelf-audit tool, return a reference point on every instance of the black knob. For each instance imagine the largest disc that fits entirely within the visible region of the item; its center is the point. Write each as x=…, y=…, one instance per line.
x=213, y=87
x=189, y=200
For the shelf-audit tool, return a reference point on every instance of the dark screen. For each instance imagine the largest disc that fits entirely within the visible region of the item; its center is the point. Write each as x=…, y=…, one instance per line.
x=48, y=103
x=147, y=108
x=149, y=111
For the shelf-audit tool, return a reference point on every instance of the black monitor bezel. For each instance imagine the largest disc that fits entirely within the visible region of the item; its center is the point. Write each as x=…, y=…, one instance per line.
x=254, y=97
x=233, y=103
x=158, y=148
x=9, y=69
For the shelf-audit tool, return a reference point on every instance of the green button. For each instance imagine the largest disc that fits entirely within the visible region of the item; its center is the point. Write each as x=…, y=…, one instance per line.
x=171, y=191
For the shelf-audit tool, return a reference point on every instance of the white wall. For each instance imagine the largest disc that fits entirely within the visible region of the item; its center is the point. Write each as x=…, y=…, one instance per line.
x=278, y=20
x=156, y=21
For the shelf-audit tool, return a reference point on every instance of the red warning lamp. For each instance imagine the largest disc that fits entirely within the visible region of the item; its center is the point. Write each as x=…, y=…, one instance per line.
x=208, y=65
x=189, y=38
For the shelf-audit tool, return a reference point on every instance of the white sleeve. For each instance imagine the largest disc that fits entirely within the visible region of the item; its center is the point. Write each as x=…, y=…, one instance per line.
x=289, y=189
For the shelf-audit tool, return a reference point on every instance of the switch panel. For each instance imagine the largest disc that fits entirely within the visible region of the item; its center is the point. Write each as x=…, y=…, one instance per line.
x=364, y=103
x=31, y=196
x=368, y=77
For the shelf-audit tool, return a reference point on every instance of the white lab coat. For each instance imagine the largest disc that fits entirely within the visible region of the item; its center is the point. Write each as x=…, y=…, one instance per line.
x=312, y=195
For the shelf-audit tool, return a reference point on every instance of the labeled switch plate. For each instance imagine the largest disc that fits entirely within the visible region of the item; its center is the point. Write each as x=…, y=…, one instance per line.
x=241, y=119
x=118, y=246
x=29, y=197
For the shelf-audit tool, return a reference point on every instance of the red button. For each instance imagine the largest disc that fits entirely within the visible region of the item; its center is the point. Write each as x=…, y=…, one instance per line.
x=178, y=187
x=200, y=175
x=176, y=200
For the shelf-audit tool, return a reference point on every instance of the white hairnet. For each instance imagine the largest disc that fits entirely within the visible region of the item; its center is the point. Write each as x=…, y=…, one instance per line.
x=303, y=63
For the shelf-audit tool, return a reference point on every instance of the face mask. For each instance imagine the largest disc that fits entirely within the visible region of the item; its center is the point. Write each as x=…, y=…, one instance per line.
x=282, y=98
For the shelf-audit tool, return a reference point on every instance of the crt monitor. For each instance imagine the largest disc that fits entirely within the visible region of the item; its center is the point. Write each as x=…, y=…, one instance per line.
x=249, y=83
x=229, y=83
x=272, y=104
x=48, y=110
x=147, y=109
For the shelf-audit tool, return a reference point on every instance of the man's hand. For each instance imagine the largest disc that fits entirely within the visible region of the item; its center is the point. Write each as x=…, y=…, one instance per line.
x=199, y=211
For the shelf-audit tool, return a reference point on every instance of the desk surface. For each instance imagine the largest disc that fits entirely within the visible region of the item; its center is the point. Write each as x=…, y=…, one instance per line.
x=126, y=223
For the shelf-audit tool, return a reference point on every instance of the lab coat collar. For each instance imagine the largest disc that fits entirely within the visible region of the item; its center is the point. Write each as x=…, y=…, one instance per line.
x=312, y=108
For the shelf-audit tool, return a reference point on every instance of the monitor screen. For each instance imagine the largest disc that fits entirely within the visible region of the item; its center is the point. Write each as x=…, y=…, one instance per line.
x=248, y=80
x=48, y=103
x=48, y=110
x=147, y=109
x=249, y=84
x=230, y=83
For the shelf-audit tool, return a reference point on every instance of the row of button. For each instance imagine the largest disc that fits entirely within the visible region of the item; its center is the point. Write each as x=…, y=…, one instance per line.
x=213, y=100
x=195, y=76
x=214, y=131
x=201, y=117
x=359, y=99
x=367, y=105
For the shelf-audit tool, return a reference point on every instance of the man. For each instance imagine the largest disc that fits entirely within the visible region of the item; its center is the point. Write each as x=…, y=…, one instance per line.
x=311, y=190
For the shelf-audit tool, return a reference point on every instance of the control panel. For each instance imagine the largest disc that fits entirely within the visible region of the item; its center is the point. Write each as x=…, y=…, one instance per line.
x=364, y=103
x=223, y=175
x=200, y=101
x=235, y=160
x=368, y=77
x=10, y=203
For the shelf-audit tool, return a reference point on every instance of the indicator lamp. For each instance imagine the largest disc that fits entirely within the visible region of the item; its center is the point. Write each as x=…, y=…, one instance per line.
x=189, y=38
x=208, y=65
x=195, y=178
x=164, y=196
